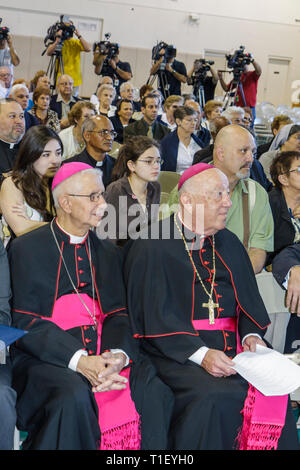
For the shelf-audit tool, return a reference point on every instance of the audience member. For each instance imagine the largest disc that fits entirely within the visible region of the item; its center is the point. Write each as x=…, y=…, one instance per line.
x=174, y=74
x=103, y=100
x=118, y=70
x=212, y=109
x=201, y=132
x=193, y=349
x=148, y=125
x=66, y=363
x=5, y=81
x=179, y=147
x=20, y=93
x=167, y=117
x=235, y=114
x=71, y=50
x=206, y=153
x=127, y=93
x=285, y=200
x=8, y=54
x=286, y=140
x=277, y=123
x=41, y=109
x=98, y=134
x=12, y=128
x=25, y=192
x=39, y=79
x=250, y=216
x=135, y=191
x=63, y=101
x=122, y=118
x=71, y=137
x=8, y=395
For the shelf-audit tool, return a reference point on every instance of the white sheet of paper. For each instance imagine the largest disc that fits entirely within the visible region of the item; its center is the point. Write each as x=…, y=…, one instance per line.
x=269, y=371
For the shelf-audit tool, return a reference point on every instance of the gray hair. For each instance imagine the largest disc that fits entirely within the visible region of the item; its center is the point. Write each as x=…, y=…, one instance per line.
x=61, y=187
x=106, y=86
x=88, y=125
x=233, y=110
x=122, y=87
x=17, y=87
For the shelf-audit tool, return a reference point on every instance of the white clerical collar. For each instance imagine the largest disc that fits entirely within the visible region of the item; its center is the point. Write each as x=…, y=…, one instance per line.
x=74, y=240
x=10, y=144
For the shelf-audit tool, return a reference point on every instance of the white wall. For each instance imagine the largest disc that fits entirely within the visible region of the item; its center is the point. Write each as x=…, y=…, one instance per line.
x=266, y=27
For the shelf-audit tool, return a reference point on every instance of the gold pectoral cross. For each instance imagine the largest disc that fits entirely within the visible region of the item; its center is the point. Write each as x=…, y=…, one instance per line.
x=211, y=310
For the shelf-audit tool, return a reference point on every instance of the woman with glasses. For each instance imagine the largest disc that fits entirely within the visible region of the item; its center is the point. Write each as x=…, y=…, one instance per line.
x=134, y=194
x=286, y=140
x=285, y=200
x=179, y=147
x=25, y=196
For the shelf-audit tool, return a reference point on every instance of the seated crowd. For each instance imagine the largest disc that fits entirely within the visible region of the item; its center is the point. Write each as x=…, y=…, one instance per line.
x=81, y=190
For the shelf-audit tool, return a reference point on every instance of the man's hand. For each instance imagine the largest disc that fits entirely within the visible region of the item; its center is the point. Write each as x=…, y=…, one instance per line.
x=218, y=364
x=103, y=371
x=251, y=342
x=292, y=300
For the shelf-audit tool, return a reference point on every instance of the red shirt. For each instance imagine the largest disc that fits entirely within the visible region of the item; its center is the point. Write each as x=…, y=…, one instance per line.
x=249, y=82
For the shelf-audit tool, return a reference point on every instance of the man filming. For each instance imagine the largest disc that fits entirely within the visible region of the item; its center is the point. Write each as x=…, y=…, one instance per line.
x=71, y=49
x=197, y=77
x=174, y=71
x=249, y=81
x=8, y=55
x=120, y=72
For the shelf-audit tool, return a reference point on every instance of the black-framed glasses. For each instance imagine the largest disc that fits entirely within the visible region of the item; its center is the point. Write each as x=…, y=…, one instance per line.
x=94, y=197
x=152, y=161
x=105, y=133
x=291, y=171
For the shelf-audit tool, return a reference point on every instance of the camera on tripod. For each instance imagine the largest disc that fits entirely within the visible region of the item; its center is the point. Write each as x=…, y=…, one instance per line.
x=201, y=67
x=65, y=26
x=3, y=31
x=238, y=60
x=169, y=53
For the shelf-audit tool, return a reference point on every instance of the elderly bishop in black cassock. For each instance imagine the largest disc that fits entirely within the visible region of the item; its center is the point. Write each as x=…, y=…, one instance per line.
x=194, y=303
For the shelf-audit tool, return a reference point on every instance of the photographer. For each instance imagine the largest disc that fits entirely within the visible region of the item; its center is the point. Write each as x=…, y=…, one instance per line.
x=70, y=51
x=107, y=62
x=174, y=71
x=198, y=76
x=243, y=76
x=8, y=55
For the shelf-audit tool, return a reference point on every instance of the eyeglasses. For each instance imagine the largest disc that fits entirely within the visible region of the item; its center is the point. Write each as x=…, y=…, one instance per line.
x=152, y=161
x=291, y=171
x=94, y=197
x=105, y=133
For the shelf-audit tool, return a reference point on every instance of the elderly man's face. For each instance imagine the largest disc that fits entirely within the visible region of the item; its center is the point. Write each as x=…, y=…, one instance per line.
x=22, y=97
x=237, y=118
x=87, y=204
x=101, y=138
x=12, y=122
x=238, y=154
x=5, y=76
x=66, y=85
x=127, y=92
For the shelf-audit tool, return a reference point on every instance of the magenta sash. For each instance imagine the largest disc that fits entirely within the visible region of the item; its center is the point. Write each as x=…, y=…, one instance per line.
x=264, y=417
x=119, y=421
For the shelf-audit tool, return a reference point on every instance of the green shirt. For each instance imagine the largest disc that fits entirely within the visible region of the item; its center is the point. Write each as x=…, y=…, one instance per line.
x=261, y=219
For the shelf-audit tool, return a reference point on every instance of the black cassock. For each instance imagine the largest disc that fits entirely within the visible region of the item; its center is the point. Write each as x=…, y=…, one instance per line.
x=164, y=297
x=55, y=405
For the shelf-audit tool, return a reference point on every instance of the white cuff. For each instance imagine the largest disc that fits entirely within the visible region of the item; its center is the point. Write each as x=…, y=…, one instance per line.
x=75, y=358
x=198, y=356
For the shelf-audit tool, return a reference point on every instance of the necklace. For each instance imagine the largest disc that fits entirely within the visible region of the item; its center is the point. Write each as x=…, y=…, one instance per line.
x=92, y=314
x=210, y=304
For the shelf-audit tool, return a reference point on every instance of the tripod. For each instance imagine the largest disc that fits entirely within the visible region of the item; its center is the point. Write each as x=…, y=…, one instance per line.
x=198, y=92
x=230, y=97
x=55, y=65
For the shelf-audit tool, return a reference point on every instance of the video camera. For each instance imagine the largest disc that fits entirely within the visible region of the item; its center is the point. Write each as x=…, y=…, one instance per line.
x=65, y=25
x=106, y=47
x=238, y=60
x=201, y=67
x=169, y=53
x=3, y=31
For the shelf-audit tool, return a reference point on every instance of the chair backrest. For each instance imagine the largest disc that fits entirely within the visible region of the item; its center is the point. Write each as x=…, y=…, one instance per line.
x=114, y=153
x=168, y=180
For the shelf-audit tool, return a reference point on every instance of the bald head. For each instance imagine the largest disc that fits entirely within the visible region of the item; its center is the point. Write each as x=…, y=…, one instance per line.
x=234, y=149
x=65, y=86
x=97, y=132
